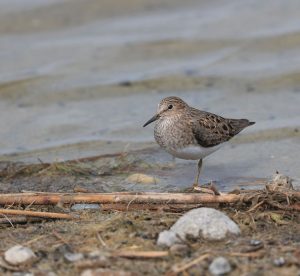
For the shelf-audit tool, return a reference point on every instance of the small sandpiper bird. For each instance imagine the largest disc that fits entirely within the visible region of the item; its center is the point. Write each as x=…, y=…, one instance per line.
x=188, y=133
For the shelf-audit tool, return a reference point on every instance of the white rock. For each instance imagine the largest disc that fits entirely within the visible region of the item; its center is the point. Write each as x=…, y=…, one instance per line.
x=73, y=257
x=19, y=255
x=167, y=238
x=83, y=206
x=219, y=266
x=279, y=262
x=208, y=223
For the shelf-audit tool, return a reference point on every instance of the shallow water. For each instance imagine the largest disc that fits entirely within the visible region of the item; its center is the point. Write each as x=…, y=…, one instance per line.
x=79, y=78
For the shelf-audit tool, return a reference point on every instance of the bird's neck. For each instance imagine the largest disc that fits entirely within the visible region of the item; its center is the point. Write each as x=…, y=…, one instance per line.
x=167, y=122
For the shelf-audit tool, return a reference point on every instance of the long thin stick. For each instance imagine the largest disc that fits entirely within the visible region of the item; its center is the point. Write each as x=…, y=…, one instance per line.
x=257, y=254
x=150, y=199
x=124, y=198
x=35, y=214
x=141, y=254
x=19, y=220
x=173, y=208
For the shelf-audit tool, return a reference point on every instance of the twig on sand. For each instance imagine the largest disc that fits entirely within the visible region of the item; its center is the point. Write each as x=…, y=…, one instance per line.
x=36, y=214
x=178, y=269
x=18, y=220
x=34, y=240
x=256, y=206
x=8, y=220
x=141, y=254
x=91, y=263
x=59, y=237
x=256, y=254
x=105, y=260
x=103, y=243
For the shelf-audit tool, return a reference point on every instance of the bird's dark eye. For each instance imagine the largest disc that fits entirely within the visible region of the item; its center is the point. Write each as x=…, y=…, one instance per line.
x=170, y=106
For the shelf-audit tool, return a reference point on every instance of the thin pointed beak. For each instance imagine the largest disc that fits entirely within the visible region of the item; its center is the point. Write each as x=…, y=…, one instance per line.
x=154, y=118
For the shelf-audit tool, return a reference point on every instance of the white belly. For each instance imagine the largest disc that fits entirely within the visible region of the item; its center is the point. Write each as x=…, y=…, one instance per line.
x=193, y=152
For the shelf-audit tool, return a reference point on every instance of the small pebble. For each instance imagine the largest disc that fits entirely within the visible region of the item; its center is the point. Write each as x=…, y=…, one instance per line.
x=255, y=242
x=99, y=254
x=78, y=189
x=141, y=178
x=279, y=262
x=73, y=257
x=125, y=83
x=81, y=207
x=219, y=266
x=19, y=255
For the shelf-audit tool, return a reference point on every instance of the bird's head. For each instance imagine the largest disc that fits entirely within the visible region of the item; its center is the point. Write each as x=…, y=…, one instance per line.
x=168, y=107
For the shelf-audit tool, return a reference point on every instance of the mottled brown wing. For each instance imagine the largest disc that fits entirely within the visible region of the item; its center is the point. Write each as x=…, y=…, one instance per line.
x=211, y=130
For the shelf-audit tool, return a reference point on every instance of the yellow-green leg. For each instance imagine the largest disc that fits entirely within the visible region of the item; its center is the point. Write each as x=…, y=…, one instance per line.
x=198, y=173
x=211, y=189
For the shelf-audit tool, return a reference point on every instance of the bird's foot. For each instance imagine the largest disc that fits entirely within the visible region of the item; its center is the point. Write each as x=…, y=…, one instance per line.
x=206, y=188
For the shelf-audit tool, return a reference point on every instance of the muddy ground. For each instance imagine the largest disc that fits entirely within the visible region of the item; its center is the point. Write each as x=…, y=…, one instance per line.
x=103, y=233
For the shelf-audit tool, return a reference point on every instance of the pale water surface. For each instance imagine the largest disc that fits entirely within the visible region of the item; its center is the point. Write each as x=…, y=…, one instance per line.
x=79, y=78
